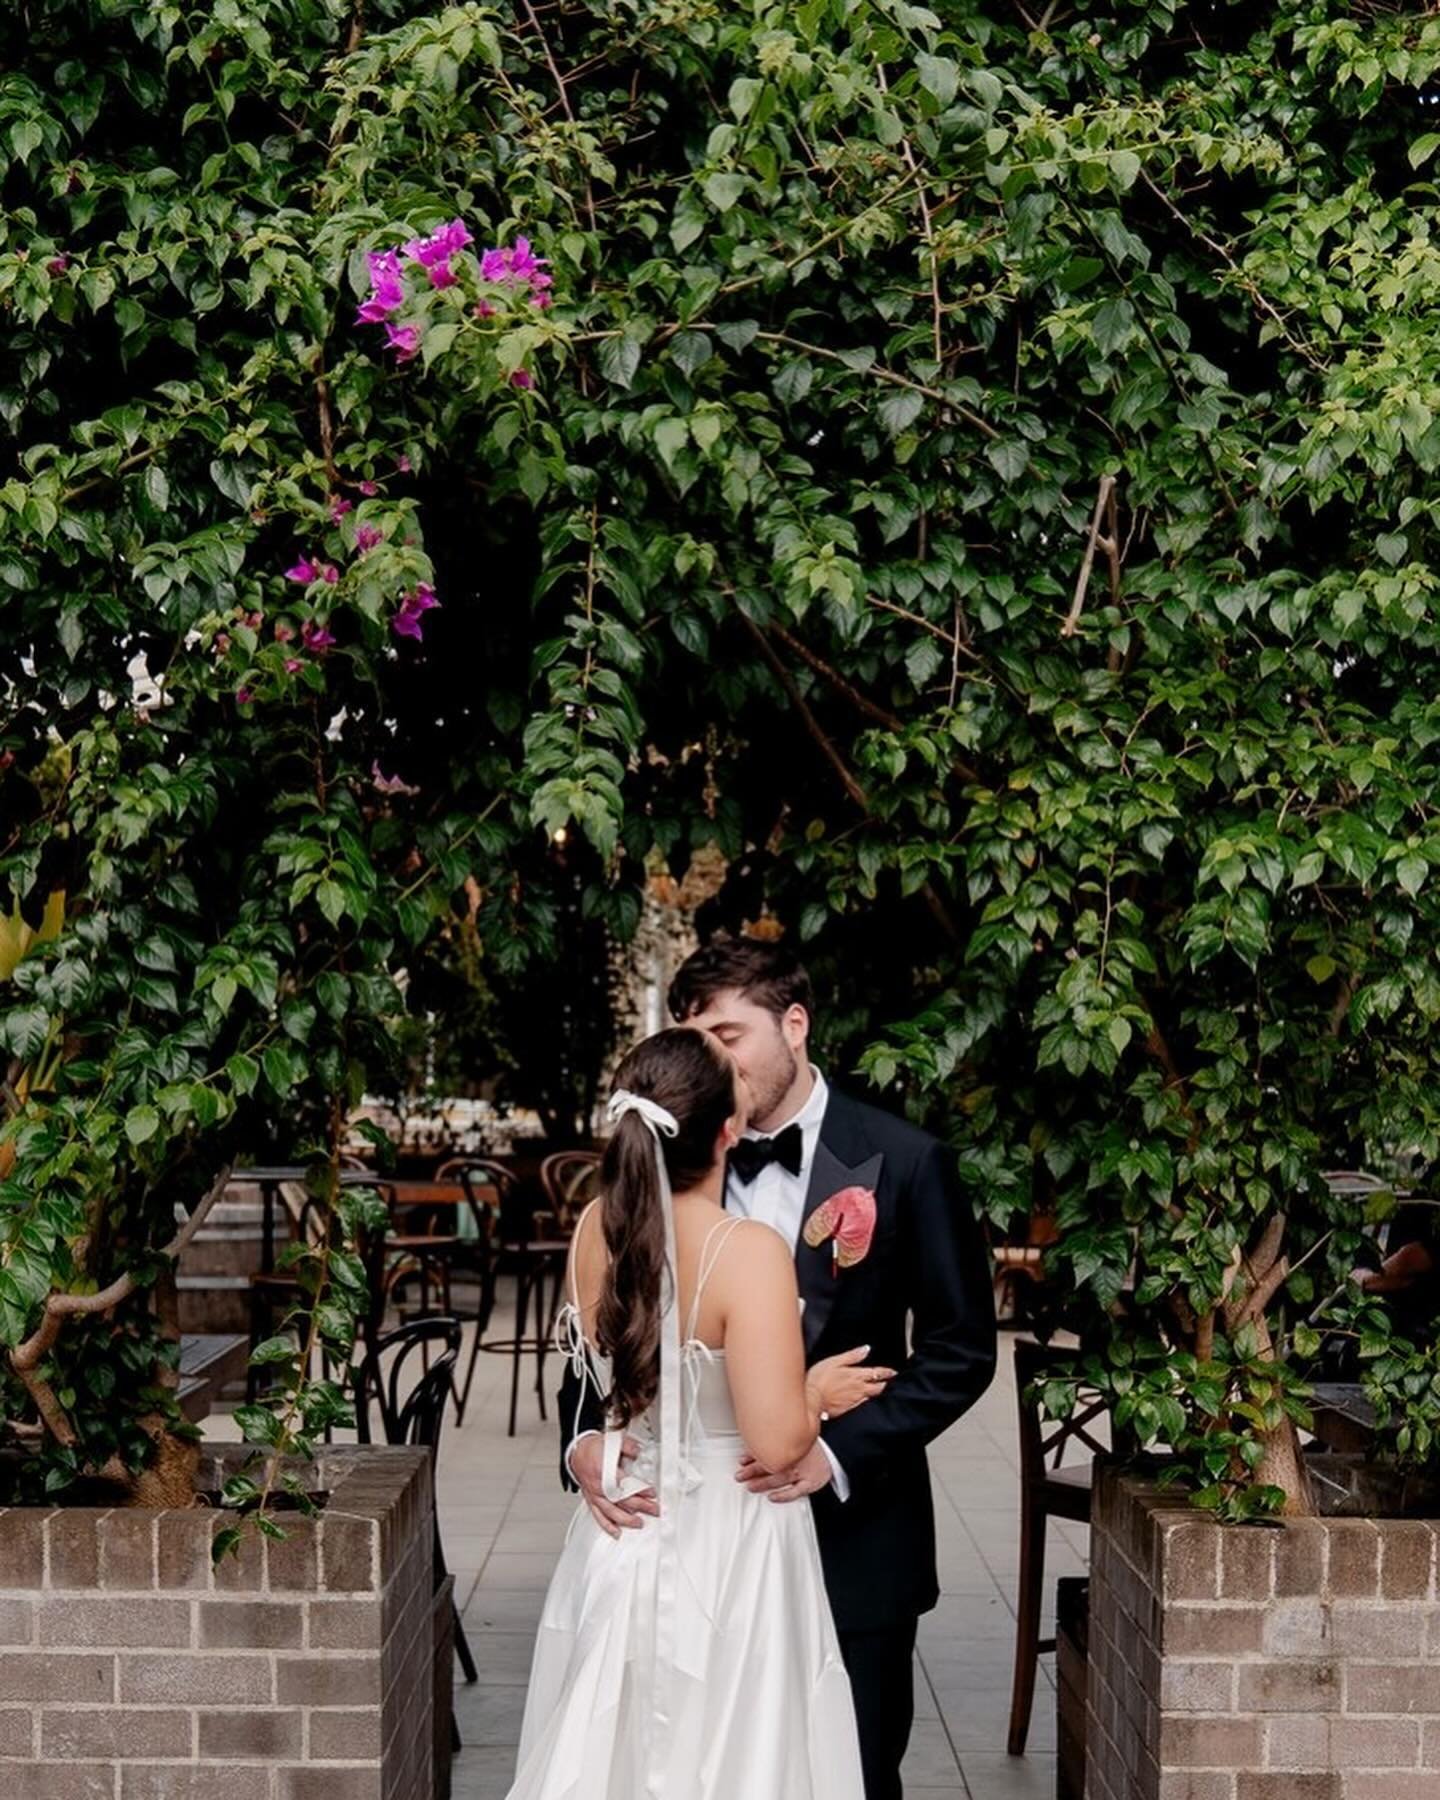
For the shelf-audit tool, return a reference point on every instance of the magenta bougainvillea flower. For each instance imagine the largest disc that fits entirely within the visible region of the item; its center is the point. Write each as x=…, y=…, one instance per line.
x=369, y=489
x=403, y=464
x=387, y=288
x=436, y=252
x=303, y=571
x=411, y=610
x=292, y=663
x=57, y=265
x=404, y=340
x=244, y=696
x=367, y=537
x=339, y=506
x=388, y=784
x=522, y=378
x=283, y=633
x=316, y=637
x=329, y=574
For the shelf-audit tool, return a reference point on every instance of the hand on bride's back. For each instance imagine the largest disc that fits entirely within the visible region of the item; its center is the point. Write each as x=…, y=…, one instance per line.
x=839, y=1383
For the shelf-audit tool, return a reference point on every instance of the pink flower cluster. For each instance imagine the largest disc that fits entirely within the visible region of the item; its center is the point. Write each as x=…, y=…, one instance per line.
x=513, y=265
x=412, y=608
x=306, y=571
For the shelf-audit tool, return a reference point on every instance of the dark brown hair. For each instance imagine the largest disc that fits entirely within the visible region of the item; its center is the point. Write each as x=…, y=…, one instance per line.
x=691, y=1077
x=767, y=974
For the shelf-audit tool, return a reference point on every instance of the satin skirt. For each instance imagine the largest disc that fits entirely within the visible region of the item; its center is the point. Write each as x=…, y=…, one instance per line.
x=739, y=1695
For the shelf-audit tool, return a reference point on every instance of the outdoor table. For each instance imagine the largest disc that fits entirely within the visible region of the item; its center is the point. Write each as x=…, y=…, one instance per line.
x=443, y=1193
x=271, y=1180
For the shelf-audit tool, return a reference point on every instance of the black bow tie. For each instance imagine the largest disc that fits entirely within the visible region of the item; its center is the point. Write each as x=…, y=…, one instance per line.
x=751, y=1155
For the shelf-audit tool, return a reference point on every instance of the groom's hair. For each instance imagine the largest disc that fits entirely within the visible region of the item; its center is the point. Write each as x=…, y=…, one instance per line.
x=767, y=974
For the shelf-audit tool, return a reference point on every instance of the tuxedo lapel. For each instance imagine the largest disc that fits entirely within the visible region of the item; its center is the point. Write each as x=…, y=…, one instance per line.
x=832, y=1170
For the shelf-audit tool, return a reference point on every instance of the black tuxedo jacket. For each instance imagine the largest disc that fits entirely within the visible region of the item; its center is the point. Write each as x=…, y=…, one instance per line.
x=922, y=1299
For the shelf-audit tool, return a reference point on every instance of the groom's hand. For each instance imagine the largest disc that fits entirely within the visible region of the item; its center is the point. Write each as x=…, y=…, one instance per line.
x=809, y=1475
x=587, y=1465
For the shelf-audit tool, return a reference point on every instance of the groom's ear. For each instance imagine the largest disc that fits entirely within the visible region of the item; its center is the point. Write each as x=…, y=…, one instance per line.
x=795, y=1023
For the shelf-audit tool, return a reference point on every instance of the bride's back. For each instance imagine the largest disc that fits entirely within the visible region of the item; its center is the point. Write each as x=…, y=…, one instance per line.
x=740, y=1324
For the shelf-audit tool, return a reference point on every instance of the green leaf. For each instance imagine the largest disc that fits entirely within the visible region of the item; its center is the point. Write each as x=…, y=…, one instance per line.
x=1410, y=872
x=243, y=1071
x=722, y=191
x=157, y=488
x=1010, y=458
x=939, y=75
x=1423, y=149
x=619, y=358
x=899, y=409
x=141, y=1124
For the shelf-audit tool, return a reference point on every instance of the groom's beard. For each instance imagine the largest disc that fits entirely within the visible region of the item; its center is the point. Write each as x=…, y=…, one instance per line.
x=772, y=1093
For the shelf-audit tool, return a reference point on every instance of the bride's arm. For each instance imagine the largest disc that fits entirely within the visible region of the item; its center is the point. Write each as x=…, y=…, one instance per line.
x=777, y=1415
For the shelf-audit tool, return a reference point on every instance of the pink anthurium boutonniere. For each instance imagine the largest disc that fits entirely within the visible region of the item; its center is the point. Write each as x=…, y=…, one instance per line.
x=848, y=1220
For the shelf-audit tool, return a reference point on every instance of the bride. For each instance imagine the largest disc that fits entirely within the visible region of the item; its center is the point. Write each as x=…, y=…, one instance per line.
x=694, y=1657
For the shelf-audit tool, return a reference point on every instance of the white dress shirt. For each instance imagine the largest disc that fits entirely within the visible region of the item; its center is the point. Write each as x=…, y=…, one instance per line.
x=777, y=1198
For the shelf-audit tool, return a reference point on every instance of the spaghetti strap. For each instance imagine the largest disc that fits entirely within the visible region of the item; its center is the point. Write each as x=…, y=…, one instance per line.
x=708, y=1258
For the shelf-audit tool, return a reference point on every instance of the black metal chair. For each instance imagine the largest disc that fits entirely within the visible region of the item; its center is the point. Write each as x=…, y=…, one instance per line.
x=412, y=1411
x=276, y=1292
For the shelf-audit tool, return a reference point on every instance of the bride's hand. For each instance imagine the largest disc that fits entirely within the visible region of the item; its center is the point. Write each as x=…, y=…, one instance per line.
x=838, y=1384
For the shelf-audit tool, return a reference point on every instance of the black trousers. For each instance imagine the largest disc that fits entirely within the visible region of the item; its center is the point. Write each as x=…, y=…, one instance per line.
x=881, y=1666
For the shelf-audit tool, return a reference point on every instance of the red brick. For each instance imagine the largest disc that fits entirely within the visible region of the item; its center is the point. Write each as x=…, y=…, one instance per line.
x=113, y=1623
x=1190, y=1555
x=137, y=1782
x=1393, y=1688
x=1376, y=1631
x=1212, y=1631
x=1197, y=1687
x=345, y=1624
x=241, y=1570
x=17, y=1731
x=1354, y=1559
x=183, y=1550
x=1199, y=1742
x=328, y=1681
x=59, y=1781
x=204, y=1679
x=1250, y=1786
x=22, y=1546
x=1297, y=1741
x=69, y=1733
x=348, y=1554
x=1393, y=1784
x=127, y=1549
x=73, y=1534
x=309, y=1783
x=1407, y=1561
x=1247, y=1562
x=1300, y=1558
x=293, y=1562
x=1289, y=1687
x=1375, y=1743
x=34, y=1675
x=251, y=1624
x=1192, y=1784
x=337, y=1736
x=17, y=1621
x=256, y=1734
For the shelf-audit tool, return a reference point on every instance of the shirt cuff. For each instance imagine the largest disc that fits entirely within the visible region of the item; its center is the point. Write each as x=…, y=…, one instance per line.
x=578, y=1438
x=839, y=1480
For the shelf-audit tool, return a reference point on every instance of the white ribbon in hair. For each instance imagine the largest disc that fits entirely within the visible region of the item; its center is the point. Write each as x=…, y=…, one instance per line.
x=665, y=1568
x=622, y=1101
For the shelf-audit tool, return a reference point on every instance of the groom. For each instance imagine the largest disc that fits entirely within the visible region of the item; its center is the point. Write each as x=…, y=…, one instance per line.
x=920, y=1297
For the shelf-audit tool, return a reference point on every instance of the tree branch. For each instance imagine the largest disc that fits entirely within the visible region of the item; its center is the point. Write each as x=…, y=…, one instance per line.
x=1103, y=500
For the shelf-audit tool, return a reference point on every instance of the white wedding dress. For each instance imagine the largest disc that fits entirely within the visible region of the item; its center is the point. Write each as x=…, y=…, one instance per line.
x=695, y=1658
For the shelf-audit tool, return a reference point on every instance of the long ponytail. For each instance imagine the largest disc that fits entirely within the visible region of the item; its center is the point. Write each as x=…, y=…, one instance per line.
x=686, y=1073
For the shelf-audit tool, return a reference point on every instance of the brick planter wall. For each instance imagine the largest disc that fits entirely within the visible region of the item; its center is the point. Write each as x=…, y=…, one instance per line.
x=131, y=1669
x=1244, y=1663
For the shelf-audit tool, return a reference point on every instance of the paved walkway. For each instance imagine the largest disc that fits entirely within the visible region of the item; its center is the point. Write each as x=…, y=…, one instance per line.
x=503, y=1516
